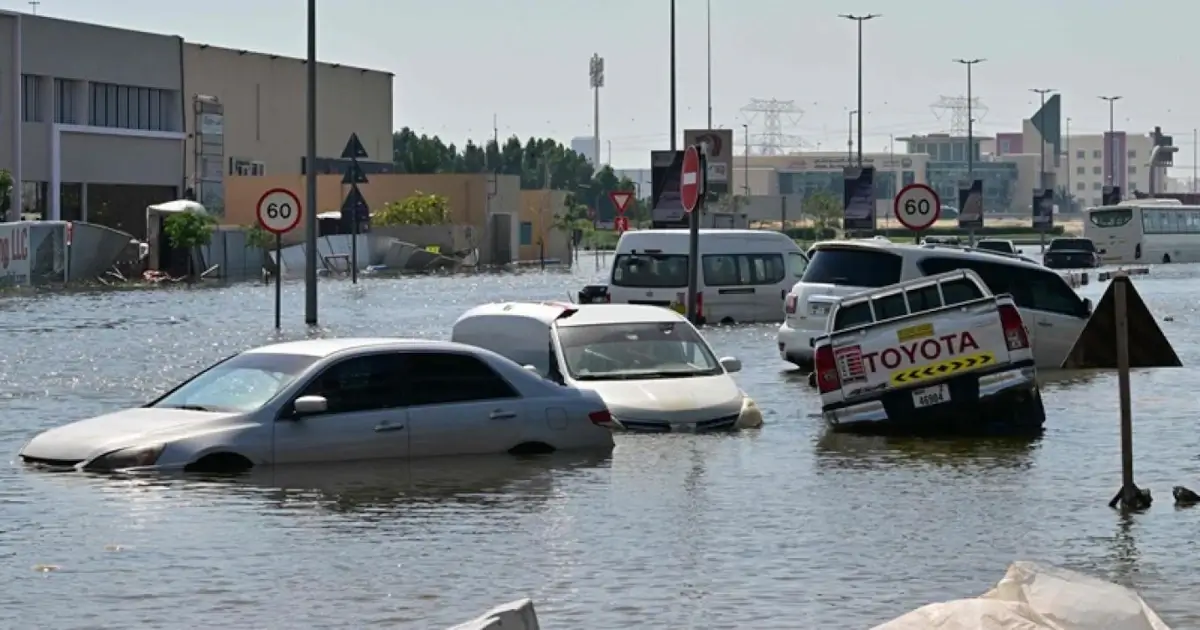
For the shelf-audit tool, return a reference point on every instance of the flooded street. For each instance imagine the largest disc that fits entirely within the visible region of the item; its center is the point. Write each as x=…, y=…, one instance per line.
x=778, y=528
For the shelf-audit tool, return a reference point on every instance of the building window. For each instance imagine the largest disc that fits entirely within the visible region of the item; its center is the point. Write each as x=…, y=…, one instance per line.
x=1096, y=170
x=1132, y=154
x=1079, y=170
x=247, y=168
x=1132, y=170
x=129, y=107
x=1096, y=201
x=1097, y=186
x=1079, y=155
x=64, y=101
x=31, y=98
x=526, y=233
x=33, y=200
x=1097, y=154
x=1080, y=186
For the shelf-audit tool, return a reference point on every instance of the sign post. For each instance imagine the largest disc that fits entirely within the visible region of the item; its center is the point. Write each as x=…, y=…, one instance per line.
x=691, y=189
x=355, y=206
x=1043, y=213
x=279, y=212
x=620, y=200
x=917, y=207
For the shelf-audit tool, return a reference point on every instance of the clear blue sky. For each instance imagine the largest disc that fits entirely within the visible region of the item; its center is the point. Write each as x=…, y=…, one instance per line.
x=458, y=62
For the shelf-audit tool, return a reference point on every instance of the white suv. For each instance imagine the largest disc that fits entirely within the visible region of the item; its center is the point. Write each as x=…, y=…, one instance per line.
x=1054, y=313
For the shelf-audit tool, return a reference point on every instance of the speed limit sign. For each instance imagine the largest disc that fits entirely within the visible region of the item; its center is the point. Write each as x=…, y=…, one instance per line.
x=279, y=211
x=917, y=206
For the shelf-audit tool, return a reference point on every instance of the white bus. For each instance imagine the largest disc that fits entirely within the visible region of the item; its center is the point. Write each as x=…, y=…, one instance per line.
x=1145, y=231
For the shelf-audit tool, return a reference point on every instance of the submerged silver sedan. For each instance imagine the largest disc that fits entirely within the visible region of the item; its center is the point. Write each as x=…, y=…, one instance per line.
x=326, y=400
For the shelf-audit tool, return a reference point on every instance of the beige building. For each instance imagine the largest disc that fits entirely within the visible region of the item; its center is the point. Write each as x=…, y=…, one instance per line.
x=250, y=110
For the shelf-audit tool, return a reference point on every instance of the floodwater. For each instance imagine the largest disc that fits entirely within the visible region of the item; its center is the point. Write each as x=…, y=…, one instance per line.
x=777, y=528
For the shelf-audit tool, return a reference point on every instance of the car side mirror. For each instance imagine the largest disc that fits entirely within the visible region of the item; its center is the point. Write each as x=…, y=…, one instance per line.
x=310, y=405
x=731, y=364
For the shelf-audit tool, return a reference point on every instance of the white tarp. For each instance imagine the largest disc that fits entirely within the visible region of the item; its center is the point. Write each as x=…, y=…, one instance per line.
x=1037, y=597
x=516, y=615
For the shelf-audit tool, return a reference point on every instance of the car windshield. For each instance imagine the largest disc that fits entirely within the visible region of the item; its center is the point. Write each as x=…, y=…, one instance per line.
x=650, y=271
x=627, y=351
x=1081, y=244
x=243, y=382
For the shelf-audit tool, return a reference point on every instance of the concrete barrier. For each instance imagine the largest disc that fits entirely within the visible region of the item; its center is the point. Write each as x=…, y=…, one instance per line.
x=515, y=615
x=1136, y=271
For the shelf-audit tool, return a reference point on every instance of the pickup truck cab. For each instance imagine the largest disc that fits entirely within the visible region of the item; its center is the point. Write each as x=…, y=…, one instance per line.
x=939, y=354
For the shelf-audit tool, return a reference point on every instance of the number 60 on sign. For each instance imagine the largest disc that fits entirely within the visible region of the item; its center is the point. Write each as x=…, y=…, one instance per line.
x=279, y=211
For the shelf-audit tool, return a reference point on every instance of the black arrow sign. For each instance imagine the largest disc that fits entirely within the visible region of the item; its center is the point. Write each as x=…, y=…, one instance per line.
x=354, y=149
x=354, y=174
x=355, y=205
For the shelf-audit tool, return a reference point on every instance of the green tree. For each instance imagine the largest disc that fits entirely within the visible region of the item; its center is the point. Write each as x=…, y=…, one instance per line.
x=187, y=231
x=823, y=209
x=6, y=184
x=418, y=209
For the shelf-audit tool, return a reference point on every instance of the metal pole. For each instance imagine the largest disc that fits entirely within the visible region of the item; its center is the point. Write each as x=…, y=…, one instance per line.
x=693, y=289
x=860, y=19
x=1109, y=154
x=674, y=140
x=746, y=160
x=1128, y=489
x=354, y=247
x=278, y=276
x=970, y=138
x=1070, y=194
x=1194, y=156
x=310, y=177
x=850, y=140
x=709, y=40
x=1042, y=172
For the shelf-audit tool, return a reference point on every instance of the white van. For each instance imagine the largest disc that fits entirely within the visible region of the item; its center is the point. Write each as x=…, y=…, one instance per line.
x=1052, y=310
x=744, y=274
x=653, y=369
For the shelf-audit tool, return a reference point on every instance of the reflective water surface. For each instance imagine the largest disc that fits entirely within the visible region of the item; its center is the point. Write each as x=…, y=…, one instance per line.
x=779, y=528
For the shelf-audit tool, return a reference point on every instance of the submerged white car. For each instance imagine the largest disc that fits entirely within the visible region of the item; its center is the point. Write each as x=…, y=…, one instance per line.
x=654, y=370
x=326, y=400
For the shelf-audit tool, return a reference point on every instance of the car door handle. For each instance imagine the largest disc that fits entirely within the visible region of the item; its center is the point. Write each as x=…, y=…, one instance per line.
x=386, y=428
x=502, y=415
x=1045, y=324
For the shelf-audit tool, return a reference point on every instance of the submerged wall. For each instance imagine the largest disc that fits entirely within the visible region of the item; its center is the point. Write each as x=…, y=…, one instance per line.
x=36, y=253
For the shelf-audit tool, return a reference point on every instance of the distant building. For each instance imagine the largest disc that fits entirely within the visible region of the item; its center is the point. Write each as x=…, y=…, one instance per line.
x=585, y=146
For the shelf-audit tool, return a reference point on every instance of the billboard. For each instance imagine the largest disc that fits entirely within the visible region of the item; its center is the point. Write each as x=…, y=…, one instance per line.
x=970, y=204
x=858, y=198
x=666, y=205
x=718, y=146
x=1043, y=209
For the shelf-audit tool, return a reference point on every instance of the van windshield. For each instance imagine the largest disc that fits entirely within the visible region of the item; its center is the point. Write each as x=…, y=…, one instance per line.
x=650, y=271
x=625, y=351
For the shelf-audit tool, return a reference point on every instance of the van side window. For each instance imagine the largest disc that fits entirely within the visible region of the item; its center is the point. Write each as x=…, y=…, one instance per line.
x=1047, y=291
x=727, y=270
x=1030, y=288
x=798, y=263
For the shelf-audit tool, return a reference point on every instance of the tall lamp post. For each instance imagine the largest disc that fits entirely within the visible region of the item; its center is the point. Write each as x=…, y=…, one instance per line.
x=969, y=63
x=310, y=175
x=1042, y=177
x=709, y=50
x=674, y=141
x=1108, y=152
x=860, y=19
x=850, y=139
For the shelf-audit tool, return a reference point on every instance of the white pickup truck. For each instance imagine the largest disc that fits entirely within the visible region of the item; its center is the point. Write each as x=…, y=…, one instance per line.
x=938, y=354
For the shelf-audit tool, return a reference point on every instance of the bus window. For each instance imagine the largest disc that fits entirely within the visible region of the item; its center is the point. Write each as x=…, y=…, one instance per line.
x=1110, y=218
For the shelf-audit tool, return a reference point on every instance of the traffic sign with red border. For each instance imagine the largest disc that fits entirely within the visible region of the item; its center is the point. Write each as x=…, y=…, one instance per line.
x=689, y=179
x=620, y=200
x=279, y=211
x=917, y=207
x=621, y=224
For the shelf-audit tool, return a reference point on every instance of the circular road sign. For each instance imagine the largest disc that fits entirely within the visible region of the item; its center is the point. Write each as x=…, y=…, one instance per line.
x=689, y=179
x=279, y=211
x=621, y=223
x=917, y=206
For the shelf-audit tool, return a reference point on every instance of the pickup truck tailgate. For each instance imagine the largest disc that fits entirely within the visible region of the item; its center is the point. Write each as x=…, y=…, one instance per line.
x=920, y=350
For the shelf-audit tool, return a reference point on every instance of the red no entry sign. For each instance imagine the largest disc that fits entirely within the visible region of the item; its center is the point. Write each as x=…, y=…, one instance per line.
x=689, y=179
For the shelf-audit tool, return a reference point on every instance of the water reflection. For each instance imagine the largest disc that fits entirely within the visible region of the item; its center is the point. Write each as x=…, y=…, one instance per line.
x=856, y=452
x=384, y=489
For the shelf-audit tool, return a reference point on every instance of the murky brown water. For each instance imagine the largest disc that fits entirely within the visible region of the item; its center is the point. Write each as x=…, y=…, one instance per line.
x=778, y=528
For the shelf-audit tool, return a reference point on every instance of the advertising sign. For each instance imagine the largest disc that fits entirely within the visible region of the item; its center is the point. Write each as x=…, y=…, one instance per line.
x=666, y=204
x=1043, y=209
x=718, y=146
x=858, y=198
x=14, y=254
x=970, y=204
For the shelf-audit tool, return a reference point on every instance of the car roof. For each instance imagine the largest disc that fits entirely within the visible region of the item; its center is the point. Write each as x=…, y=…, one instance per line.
x=325, y=347
x=567, y=314
x=676, y=232
x=939, y=249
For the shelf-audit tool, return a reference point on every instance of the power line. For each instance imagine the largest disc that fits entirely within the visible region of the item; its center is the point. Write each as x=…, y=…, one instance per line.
x=769, y=115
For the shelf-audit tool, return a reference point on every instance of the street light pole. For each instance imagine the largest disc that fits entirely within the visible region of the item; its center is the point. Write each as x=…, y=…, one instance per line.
x=970, y=139
x=746, y=159
x=310, y=177
x=709, y=47
x=674, y=141
x=1042, y=176
x=850, y=140
x=1108, y=152
x=860, y=19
